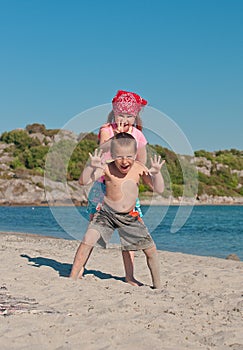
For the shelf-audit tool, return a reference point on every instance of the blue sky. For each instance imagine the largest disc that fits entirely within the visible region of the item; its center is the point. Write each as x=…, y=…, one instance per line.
x=59, y=58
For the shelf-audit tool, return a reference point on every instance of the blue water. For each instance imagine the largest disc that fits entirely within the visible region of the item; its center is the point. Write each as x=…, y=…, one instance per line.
x=209, y=231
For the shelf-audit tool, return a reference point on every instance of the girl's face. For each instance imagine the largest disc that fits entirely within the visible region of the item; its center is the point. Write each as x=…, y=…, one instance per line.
x=124, y=121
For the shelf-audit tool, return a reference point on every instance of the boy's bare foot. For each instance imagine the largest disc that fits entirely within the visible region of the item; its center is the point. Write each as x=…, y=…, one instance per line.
x=81, y=272
x=133, y=282
x=74, y=275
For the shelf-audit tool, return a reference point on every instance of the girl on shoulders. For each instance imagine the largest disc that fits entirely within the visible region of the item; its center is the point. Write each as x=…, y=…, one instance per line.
x=125, y=117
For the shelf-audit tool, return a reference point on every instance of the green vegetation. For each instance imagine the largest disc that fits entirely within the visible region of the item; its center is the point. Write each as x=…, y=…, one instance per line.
x=34, y=152
x=181, y=176
x=66, y=158
x=233, y=158
x=40, y=128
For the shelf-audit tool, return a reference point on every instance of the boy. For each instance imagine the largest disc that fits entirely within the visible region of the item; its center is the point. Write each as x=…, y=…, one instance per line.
x=122, y=176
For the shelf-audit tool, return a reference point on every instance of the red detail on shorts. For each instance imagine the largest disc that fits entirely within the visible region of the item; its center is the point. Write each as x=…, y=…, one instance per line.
x=135, y=213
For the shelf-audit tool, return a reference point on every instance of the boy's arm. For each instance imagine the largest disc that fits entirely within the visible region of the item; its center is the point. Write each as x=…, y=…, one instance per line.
x=94, y=170
x=154, y=178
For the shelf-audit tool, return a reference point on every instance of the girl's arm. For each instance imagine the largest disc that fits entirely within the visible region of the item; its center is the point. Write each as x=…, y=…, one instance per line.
x=142, y=143
x=104, y=134
x=142, y=155
x=104, y=137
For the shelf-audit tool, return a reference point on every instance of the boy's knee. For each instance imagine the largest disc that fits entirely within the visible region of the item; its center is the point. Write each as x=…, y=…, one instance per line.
x=150, y=252
x=91, y=237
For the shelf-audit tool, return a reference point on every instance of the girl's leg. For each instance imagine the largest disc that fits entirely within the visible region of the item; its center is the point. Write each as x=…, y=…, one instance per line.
x=83, y=253
x=128, y=260
x=153, y=264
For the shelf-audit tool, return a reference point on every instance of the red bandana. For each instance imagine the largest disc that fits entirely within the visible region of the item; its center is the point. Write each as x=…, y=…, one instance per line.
x=128, y=103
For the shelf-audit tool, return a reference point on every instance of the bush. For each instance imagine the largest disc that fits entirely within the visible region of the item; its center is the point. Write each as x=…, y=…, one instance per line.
x=231, y=159
x=20, y=139
x=204, y=154
x=177, y=190
x=35, y=157
x=80, y=157
x=36, y=128
x=40, y=128
x=17, y=164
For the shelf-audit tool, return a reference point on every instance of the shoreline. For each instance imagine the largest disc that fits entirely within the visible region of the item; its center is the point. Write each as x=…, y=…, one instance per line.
x=142, y=202
x=110, y=246
x=198, y=306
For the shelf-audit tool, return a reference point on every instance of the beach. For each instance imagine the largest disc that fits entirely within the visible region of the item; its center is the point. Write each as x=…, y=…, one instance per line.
x=200, y=304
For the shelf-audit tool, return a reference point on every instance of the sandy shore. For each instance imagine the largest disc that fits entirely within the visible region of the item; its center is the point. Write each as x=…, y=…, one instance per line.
x=199, y=307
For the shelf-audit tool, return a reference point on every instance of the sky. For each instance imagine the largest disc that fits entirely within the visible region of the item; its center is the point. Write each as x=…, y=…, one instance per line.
x=60, y=58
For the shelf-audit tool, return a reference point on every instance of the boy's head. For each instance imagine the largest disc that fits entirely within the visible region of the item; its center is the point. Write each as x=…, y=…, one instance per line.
x=123, y=151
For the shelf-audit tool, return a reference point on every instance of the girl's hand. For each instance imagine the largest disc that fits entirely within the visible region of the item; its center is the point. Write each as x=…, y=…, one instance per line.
x=156, y=164
x=120, y=127
x=96, y=159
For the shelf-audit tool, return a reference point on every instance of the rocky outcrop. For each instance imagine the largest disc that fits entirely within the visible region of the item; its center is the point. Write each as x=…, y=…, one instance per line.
x=21, y=188
x=218, y=200
x=202, y=164
x=233, y=257
x=35, y=191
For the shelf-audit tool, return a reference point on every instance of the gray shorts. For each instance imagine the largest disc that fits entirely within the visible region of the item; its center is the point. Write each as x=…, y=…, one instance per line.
x=133, y=233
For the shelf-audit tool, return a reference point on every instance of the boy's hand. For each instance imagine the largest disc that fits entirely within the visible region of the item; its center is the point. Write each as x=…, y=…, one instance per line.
x=96, y=160
x=156, y=164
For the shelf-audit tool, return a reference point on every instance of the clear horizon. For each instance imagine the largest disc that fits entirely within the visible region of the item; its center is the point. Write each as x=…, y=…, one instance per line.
x=62, y=58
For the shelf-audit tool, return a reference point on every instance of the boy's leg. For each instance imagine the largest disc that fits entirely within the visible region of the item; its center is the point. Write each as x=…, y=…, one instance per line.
x=128, y=260
x=153, y=264
x=83, y=253
x=81, y=258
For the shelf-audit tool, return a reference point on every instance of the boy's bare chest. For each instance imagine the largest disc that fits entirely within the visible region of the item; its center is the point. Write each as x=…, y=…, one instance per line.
x=115, y=181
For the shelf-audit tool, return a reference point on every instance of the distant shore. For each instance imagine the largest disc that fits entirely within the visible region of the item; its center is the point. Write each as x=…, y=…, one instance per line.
x=208, y=200
x=205, y=200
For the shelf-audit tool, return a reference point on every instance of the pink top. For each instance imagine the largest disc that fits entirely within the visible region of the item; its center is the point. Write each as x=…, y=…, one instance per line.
x=137, y=134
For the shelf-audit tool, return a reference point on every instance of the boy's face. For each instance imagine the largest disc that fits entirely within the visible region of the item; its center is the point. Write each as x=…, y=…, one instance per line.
x=124, y=157
x=125, y=120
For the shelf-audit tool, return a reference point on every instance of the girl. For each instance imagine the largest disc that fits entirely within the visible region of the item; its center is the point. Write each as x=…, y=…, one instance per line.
x=125, y=117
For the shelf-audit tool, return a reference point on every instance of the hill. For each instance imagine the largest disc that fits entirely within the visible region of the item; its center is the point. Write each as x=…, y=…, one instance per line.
x=211, y=177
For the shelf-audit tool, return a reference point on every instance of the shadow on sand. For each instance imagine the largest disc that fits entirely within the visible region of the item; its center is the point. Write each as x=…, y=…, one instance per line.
x=64, y=269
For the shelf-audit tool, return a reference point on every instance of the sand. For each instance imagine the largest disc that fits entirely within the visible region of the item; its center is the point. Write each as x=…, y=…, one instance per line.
x=200, y=305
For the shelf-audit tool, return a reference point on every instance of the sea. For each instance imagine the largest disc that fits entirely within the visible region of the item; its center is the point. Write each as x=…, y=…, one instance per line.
x=215, y=231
